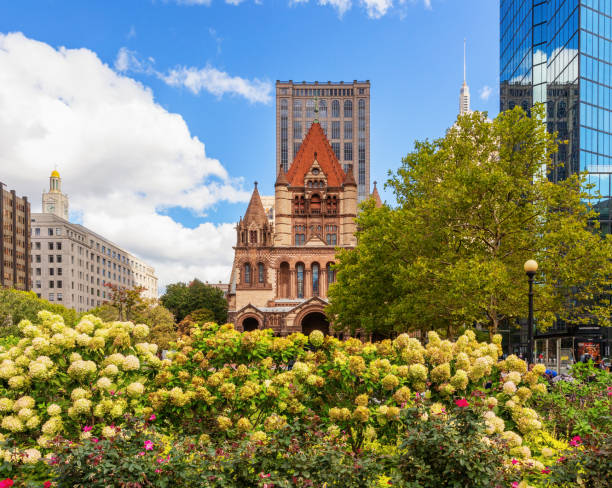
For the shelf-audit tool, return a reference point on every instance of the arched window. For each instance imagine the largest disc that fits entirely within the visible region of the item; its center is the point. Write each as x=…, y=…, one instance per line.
x=315, y=204
x=260, y=273
x=284, y=106
x=284, y=280
x=331, y=273
x=348, y=108
x=253, y=236
x=335, y=109
x=300, y=280
x=322, y=109
x=315, y=279
x=247, y=273
x=297, y=109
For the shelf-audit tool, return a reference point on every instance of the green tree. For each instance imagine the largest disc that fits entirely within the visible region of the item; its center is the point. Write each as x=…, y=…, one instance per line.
x=17, y=305
x=182, y=299
x=472, y=208
x=128, y=304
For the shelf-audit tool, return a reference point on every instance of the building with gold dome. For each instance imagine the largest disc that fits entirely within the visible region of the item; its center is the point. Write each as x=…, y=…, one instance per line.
x=72, y=265
x=284, y=253
x=54, y=201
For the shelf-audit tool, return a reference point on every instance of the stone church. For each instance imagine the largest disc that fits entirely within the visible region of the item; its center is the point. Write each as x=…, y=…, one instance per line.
x=283, y=265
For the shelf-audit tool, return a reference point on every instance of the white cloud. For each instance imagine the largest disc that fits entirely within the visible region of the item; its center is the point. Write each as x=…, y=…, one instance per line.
x=427, y=4
x=485, y=92
x=340, y=5
x=377, y=8
x=234, y=2
x=219, y=83
x=123, y=158
x=208, y=79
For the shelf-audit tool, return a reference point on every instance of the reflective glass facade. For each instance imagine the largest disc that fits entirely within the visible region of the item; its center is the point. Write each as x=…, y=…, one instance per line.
x=559, y=52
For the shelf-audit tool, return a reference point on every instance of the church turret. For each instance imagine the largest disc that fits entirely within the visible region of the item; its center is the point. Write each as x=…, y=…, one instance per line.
x=254, y=229
x=375, y=195
x=282, y=204
x=54, y=201
x=348, y=208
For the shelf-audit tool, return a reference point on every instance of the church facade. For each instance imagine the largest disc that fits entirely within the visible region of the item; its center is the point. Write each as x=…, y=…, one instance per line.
x=282, y=267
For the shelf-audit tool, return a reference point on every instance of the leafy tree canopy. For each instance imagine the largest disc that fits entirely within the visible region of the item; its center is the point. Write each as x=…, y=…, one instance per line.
x=182, y=299
x=473, y=206
x=17, y=305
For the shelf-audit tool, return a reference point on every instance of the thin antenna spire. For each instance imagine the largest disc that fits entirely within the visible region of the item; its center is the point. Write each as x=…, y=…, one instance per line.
x=464, y=40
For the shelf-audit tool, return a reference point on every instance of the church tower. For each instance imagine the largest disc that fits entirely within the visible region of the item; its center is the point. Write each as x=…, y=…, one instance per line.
x=282, y=271
x=54, y=201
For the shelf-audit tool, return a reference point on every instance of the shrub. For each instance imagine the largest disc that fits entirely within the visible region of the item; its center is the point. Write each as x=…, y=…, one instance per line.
x=582, y=407
x=449, y=450
x=58, y=379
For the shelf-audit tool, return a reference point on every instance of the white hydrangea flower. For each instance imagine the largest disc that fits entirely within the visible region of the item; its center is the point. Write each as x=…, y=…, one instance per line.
x=75, y=356
x=130, y=363
x=82, y=406
x=25, y=413
x=85, y=327
x=104, y=383
x=25, y=401
x=135, y=389
x=12, y=423
x=40, y=343
x=79, y=393
x=52, y=426
x=140, y=331
x=31, y=456
x=6, y=404
x=54, y=409
x=110, y=370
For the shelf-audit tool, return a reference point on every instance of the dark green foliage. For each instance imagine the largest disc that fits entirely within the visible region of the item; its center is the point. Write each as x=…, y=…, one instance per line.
x=583, y=407
x=448, y=453
x=182, y=299
x=299, y=456
x=589, y=467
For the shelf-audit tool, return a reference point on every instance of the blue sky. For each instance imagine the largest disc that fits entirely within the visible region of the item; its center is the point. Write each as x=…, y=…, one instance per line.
x=411, y=53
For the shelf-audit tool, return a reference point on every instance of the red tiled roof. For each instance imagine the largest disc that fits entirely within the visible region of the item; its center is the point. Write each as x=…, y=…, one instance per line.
x=315, y=142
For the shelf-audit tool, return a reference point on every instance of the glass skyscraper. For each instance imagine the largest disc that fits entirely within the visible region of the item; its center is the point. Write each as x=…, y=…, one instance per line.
x=559, y=52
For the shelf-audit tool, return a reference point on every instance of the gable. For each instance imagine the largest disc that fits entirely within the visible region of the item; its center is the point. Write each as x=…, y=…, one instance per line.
x=315, y=146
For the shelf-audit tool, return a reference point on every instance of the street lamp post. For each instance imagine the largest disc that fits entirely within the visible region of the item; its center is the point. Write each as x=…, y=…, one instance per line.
x=530, y=268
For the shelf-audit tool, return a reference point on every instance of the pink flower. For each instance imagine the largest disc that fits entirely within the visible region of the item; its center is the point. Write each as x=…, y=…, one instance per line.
x=545, y=471
x=95, y=440
x=158, y=470
x=47, y=484
x=514, y=461
x=87, y=428
x=141, y=453
x=148, y=445
x=462, y=403
x=576, y=441
x=515, y=484
x=152, y=417
x=261, y=475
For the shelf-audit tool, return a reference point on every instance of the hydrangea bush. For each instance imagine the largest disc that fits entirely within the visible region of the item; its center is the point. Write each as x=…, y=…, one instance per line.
x=221, y=385
x=57, y=379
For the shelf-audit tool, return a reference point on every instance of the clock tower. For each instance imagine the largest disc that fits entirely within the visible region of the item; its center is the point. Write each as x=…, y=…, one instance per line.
x=54, y=201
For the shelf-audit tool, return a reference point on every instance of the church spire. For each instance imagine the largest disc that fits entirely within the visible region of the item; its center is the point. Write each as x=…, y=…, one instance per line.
x=464, y=94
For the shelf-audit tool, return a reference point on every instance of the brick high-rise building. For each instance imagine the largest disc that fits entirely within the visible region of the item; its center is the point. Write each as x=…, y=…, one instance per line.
x=14, y=240
x=344, y=116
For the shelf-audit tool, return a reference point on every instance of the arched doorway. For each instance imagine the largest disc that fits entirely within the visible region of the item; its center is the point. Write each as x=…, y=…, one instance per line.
x=250, y=323
x=315, y=321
